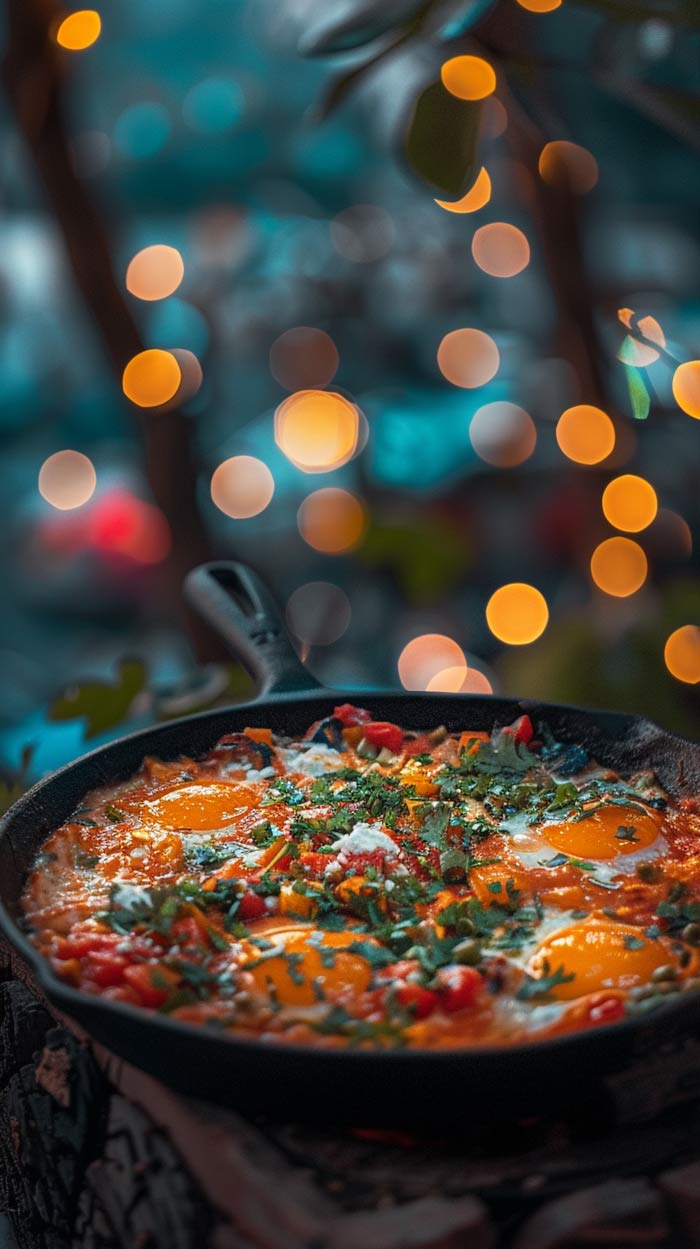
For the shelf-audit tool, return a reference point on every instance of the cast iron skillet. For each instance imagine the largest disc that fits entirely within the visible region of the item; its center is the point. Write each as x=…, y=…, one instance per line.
x=621, y=1070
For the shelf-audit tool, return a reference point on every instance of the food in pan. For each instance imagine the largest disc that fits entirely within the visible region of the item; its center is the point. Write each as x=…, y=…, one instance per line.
x=366, y=885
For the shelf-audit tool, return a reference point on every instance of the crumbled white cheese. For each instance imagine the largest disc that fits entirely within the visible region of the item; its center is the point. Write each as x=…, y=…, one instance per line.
x=363, y=839
x=313, y=761
x=259, y=774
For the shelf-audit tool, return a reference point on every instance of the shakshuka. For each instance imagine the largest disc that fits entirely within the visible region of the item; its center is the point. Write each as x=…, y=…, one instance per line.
x=367, y=885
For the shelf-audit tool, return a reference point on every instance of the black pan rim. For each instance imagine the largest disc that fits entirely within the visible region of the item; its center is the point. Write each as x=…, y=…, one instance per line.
x=67, y=997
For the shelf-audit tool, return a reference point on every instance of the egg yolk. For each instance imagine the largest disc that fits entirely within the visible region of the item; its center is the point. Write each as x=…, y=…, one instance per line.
x=200, y=806
x=603, y=834
x=600, y=955
x=309, y=958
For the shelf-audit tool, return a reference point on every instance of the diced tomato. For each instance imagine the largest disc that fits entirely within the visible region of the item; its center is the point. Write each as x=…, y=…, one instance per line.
x=104, y=967
x=398, y=970
x=605, y=1009
x=252, y=906
x=381, y=733
x=521, y=729
x=186, y=931
x=348, y=714
x=458, y=987
x=421, y=1002
x=77, y=945
x=152, y=983
x=122, y=993
x=315, y=863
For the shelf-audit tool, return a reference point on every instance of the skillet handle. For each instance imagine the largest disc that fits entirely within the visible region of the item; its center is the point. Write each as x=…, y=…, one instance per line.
x=237, y=603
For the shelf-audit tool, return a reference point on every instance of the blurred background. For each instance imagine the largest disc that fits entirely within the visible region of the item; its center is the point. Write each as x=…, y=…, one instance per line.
x=397, y=301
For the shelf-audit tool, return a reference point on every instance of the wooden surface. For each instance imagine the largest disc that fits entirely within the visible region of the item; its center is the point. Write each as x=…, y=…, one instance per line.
x=96, y=1155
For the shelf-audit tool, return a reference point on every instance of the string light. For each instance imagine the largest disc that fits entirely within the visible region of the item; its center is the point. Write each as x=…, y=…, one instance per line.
x=317, y=430
x=67, y=479
x=242, y=487
x=303, y=358
x=151, y=378
x=686, y=388
x=517, y=613
x=79, y=30
x=585, y=434
x=568, y=165
x=424, y=658
x=500, y=249
x=155, y=272
x=502, y=434
x=332, y=521
x=629, y=503
x=318, y=613
x=619, y=567
x=682, y=654
x=468, y=77
x=476, y=197
x=468, y=358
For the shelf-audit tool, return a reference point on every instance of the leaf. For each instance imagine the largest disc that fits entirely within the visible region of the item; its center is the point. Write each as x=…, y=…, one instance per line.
x=442, y=139
x=640, y=401
x=101, y=703
x=345, y=27
x=542, y=986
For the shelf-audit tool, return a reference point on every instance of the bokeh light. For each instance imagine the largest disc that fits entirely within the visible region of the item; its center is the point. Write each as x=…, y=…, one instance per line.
x=585, y=434
x=682, y=654
x=468, y=77
x=317, y=430
x=454, y=681
x=318, y=613
x=629, y=503
x=332, y=521
x=363, y=233
x=303, y=358
x=424, y=658
x=213, y=106
x=151, y=378
x=500, y=249
x=155, y=272
x=242, y=486
x=142, y=130
x=619, y=567
x=191, y=375
x=540, y=6
x=476, y=682
x=568, y=165
x=67, y=479
x=502, y=434
x=517, y=613
x=686, y=387
x=476, y=197
x=468, y=358
x=640, y=355
x=669, y=536
x=79, y=30
x=122, y=525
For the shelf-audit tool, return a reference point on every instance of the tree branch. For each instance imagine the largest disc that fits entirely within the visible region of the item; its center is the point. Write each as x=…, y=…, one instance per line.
x=33, y=73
